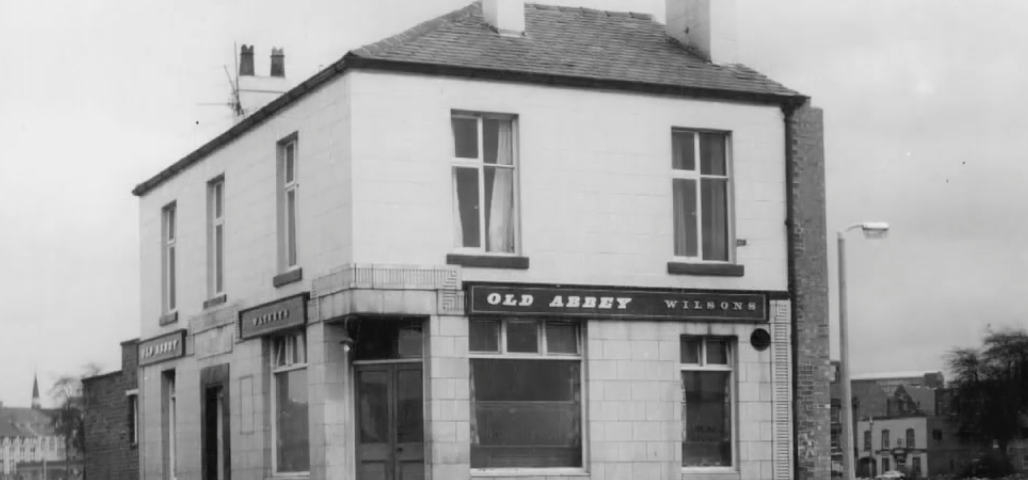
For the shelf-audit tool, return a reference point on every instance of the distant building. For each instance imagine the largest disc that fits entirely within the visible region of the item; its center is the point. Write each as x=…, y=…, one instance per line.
x=26, y=436
x=889, y=381
x=112, y=419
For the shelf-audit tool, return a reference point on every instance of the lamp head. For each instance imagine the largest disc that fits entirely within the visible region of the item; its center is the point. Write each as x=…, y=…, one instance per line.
x=875, y=230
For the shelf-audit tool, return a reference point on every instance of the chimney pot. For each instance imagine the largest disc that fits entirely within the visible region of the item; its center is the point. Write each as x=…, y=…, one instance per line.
x=246, y=61
x=506, y=16
x=705, y=26
x=278, y=62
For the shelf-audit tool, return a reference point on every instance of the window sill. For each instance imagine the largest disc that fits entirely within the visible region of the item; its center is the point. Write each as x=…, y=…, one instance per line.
x=487, y=261
x=529, y=472
x=292, y=276
x=710, y=473
x=706, y=269
x=168, y=318
x=214, y=302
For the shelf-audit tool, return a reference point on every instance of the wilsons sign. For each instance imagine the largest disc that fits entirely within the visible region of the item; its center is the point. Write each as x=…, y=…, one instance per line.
x=600, y=303
x=272, y=317
x=164, y=347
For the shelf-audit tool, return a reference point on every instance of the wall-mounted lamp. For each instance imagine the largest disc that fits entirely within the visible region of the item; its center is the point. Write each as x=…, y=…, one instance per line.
x=347, y=342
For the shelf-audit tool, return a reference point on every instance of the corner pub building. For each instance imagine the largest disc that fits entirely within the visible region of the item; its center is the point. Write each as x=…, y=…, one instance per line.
x=448, y=256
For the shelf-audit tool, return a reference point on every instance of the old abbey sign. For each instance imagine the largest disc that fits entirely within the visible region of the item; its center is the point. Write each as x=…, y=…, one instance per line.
x=599, y=303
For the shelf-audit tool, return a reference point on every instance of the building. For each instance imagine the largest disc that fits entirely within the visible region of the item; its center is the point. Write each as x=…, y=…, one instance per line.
x=890, y=380
x=111, y=420
x=515, y=240
x=26, y=436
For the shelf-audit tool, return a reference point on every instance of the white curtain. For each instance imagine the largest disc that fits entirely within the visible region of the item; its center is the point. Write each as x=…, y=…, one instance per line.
x=458, y=226
x=501, y=212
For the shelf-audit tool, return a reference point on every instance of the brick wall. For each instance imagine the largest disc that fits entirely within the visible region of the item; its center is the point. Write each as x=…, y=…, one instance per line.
x=110, y=454
x=808, y=275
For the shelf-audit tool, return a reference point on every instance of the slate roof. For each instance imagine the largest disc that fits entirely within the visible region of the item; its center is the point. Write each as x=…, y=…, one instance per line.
x=571, y=47
x=570, y=42
x=24, y=422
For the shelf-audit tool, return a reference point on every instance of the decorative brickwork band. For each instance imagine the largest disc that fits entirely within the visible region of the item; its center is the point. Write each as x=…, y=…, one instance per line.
x=451, y=303
x=781, y=385
x=388, y=277
x=808, y=280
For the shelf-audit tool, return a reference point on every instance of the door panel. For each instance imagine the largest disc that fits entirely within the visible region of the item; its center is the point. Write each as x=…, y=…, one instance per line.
x=390, y=422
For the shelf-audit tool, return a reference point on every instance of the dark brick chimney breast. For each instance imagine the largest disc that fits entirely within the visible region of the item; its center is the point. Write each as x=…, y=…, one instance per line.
x=278, y=62
x=246, y=61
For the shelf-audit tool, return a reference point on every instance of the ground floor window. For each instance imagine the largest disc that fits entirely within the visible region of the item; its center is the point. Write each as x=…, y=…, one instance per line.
x=526, y=393
x=289, y=403
x=707, y=402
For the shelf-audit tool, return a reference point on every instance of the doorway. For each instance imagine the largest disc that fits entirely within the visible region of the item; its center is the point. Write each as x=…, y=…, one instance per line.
x=390, y=421
x=215, y=448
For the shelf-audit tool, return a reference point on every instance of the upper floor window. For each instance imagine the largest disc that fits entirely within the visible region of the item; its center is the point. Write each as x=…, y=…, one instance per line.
x=484, y=186
x=168, y=261
x=910, y=438
x=707, y=402
x=216, y=237
x=867, y=440
x=885, y=439
x=133, y=417
x=288, y=193
x=702, y=191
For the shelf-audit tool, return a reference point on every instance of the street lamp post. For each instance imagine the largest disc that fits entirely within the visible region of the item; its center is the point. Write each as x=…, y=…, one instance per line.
x=871, y=230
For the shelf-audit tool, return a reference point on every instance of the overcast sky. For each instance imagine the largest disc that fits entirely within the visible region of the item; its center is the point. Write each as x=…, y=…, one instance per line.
x=925, y=125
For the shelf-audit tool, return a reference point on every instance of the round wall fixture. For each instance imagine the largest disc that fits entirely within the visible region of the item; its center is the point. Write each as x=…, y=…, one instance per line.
x=760, y=339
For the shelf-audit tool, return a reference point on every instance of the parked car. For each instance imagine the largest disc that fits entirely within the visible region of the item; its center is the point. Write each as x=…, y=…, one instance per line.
x=891, y=475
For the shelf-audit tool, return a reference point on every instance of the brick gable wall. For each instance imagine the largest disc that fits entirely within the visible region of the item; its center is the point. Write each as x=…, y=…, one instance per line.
x=110, y=454
x=809, y=285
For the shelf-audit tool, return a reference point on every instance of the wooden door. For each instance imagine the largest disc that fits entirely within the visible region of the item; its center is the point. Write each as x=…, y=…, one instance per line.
x=390, y=422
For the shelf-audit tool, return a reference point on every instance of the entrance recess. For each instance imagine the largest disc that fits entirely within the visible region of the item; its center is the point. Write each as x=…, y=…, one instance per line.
x=390, y=422
x=215, y=449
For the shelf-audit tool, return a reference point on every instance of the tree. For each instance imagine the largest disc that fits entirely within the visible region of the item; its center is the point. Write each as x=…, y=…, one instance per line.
x=990, y=388
x=68, y=418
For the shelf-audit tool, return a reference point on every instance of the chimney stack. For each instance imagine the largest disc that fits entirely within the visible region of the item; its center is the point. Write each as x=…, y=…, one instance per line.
x=705, y=26
x=278, y=62
x=506, y=16
x=246, y=61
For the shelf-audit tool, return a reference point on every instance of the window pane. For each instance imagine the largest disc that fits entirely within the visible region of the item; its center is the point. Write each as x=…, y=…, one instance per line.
x=373, y=406
x=706, y=419
x=498, y=141
x=499, y=209
x=683, y=151
x=290, y=162
x=466, y=216
x=717, y=352
x=171, y=278
x=484, y=336
x=527, y=413
x=409, y=342
x=171, y=223
x=291, y=227
x=685, y=218
x=218, y=190
x=292, y=429
x=715, y=219
x=409, y=407
x=690, y=350
x=465, y=137
x=712, y=154
x=561, y=337
x=522, y=336
x=219, y=261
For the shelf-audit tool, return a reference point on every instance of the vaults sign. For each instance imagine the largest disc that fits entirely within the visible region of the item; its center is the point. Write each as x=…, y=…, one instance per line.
x=600, y=303
x=164, y=347
x=272, y=317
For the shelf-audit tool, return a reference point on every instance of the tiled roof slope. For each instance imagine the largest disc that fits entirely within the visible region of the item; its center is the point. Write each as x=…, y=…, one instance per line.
x=573, y=47
x=24, y=422
x=571, y=42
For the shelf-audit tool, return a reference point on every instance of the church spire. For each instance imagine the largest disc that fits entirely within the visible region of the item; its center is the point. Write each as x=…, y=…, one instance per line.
x=35, y=392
